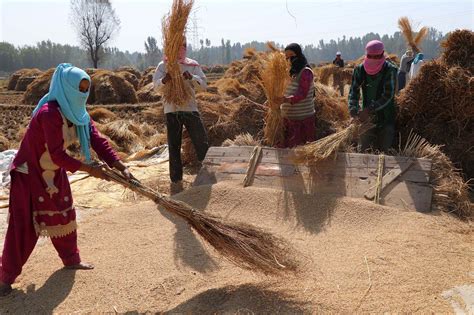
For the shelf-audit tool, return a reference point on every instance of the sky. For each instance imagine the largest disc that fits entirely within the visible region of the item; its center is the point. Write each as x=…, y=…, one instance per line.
x=25, y=22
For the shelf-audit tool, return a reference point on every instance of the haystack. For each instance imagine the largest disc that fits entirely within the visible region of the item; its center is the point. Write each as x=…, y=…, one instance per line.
x=125, y=133
x=130, y=77
x=459, y=50
x=38, y=88
x=102, y=115
x=20, y=79
x=438, y=105
x=231, y=87
x=4, y=143
x=248, y=115
x=148, y=94
x=110, y=88
x=209, y=97
x=154, y=115
x=146, y=77
x=131, y=70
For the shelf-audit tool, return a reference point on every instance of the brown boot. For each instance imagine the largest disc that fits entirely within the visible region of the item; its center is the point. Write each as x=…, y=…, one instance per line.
x=176, y=187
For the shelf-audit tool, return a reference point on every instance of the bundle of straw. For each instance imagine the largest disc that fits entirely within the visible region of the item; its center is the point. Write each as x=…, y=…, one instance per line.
x=275, y=79
x=173, y=27
x=245, y=246
x=413, y=40
x=451, y=193
x=329, y=146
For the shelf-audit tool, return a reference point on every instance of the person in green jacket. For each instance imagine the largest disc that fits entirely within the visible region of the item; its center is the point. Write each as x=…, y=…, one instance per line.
x=377, y=79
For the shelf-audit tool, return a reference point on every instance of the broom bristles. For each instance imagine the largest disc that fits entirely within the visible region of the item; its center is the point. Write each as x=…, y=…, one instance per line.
x=176, y=91
x=246, y=246
x=275, y=79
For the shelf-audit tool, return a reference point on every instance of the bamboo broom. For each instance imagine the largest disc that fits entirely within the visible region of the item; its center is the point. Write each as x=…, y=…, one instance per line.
x=176, y=91
x=243, y=245
x=275, y=79
x=329, y=146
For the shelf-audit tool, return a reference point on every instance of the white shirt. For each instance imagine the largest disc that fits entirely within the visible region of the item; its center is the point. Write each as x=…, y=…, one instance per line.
x=197, y=82
x=415, y=68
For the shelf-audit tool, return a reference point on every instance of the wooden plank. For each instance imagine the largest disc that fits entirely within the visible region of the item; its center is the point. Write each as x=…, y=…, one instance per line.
x=254, y=159
x=387, y=179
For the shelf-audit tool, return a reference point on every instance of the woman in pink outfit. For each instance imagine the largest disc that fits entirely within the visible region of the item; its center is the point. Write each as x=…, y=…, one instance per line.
x=41, y=203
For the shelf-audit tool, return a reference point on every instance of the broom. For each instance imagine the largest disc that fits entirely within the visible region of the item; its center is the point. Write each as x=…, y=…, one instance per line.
x=407, y=31
x=173, y=27
x=275, y=79
x=243, y=245
x=328, y=146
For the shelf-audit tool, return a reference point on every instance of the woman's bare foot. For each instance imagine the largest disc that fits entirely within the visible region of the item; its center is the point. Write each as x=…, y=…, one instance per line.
x=5, y=289
x=80, y=266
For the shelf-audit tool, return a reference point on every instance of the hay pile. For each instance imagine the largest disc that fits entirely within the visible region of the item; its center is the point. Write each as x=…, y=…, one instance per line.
x=244, y=139
x=413, y=39
x=102, y=115
x=332, y=112
x=146, y=77
x=148, y=94
x=173, y=29
x=38, y=88
x=111, y=88
x=451, y=193
x=459, y=50
x=131, y=70
x=243, y=77
x=438, y=105
x=20, y=79
x=130, y=77
x=126, y=134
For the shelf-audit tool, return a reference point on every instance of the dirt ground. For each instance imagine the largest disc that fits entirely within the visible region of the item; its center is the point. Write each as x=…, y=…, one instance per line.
x=354, y=257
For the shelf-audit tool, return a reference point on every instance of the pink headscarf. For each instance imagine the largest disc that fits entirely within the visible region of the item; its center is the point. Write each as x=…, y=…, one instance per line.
x=373, y=66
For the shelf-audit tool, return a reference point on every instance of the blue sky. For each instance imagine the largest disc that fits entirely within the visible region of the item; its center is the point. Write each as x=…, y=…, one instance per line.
x=28, y=21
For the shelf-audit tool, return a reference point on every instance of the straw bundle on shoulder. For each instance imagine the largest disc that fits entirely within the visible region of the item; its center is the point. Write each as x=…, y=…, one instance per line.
x=246, y=246
x=413, y=40
x=173, y=27
x=275, y=79
x=329, y=146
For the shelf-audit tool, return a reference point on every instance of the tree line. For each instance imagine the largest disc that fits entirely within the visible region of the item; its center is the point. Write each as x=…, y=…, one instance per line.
x=47, y=54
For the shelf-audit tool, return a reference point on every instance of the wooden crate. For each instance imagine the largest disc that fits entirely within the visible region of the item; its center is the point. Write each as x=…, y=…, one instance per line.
x=349, y=174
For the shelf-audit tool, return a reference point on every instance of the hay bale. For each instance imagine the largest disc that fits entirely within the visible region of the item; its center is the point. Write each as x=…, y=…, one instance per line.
x=91, y=71
x=4, y=143
x=459, y=49
x=147, y=77
x=247, y=115
x=148, y=94
x=328, y=105
x=38, y=88
x=208, y=97
x=437, y=105
x=131, y=70
x=130, y=77
x=222, y=131
x=154, y=115
x=110, y=88
x=102, y=115
x=156, y=140
x=23, y=83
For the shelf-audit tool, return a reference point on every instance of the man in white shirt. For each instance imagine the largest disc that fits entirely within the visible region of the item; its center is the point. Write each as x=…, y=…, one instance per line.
x=178, y=115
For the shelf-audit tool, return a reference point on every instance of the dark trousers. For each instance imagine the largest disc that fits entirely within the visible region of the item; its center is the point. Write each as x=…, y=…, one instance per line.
x=197, y=133
x=402, y=80
x=378, y=139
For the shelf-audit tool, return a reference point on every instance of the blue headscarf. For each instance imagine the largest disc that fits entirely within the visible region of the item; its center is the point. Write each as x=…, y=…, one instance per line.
x=418, y=57
x=64, y=89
